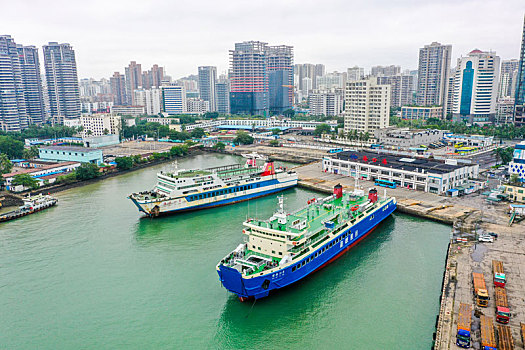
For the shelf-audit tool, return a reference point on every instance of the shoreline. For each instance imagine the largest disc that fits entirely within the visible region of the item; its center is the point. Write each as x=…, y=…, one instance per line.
x=77, y=183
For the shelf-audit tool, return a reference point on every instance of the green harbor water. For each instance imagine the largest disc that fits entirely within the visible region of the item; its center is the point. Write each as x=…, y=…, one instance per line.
x=91, y=274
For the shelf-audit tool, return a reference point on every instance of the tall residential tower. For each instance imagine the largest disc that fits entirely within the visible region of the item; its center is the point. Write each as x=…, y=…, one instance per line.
x=434, y=66
x=207, y=81
x=62, y=80
x=13, y=112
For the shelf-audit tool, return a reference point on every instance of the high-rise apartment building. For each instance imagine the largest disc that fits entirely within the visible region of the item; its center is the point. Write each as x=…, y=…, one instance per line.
x=207, y=81
x=153, y=77
x=151, y=99
x=401, y=88
x=367, y=106
x=508, y=77
x=32, y=84
x=173, y=99
x=133, y=80
x=118, y=89
x=355, y=73
x=222, y=89
x=385, y=71
x=434, y=66
x=327, y=103
x=329, y=81
x=519, y=101
x=13, y=112
x=62, y=80
x=476, y=87
x=308, y=70
x=450, y=93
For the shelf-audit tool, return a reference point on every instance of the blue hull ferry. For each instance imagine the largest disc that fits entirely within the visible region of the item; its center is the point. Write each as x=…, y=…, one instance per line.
x=288, y=247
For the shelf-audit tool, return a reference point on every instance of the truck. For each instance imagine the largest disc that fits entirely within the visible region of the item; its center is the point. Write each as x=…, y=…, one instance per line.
x=480, y=289
x=464, y=322
x=505, y=340
x=502, y=305
x=488, y=339
x=500, y=279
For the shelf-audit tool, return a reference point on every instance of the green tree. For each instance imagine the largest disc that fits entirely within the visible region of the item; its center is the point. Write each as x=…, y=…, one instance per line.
x=30, y=153
x=124, y=163
x=11, y=147
x=220, y=146
x=275, y=143
x=504, y=154
x=198, y=133
x=211, y=115
x=5, y=164
x=106, y=131
x=276, y=131
x=25, y=180
x=243, y=138
x=289, y=113
x=322, y=129
x=87, y=171
x=514, y=179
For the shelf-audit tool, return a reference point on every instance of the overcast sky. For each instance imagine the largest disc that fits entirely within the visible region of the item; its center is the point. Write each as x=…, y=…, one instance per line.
x=182, y=35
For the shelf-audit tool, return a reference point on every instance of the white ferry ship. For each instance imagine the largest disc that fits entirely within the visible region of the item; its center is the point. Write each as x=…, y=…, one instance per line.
x=185, y=190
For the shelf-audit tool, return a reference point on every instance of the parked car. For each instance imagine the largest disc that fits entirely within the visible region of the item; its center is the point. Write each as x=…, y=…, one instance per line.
x=493, y=234
x=486, y=239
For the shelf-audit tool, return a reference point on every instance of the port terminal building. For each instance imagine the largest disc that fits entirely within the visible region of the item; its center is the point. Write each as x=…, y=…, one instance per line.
x=71, y=154
x=44, y=172
x=405, y=138
x=428, y=175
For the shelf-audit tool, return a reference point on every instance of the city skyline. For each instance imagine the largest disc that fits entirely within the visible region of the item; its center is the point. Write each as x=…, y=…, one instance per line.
x=399, y=31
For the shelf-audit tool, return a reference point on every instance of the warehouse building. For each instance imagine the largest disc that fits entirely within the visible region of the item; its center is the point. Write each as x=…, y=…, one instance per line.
x=426, y=175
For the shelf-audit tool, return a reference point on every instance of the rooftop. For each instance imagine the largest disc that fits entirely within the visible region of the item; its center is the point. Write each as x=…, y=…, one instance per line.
x=398, y=162
x=70, y=149
x=34, y=170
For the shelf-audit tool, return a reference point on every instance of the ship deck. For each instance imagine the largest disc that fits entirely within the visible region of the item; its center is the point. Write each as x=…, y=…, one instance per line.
x=314, y=215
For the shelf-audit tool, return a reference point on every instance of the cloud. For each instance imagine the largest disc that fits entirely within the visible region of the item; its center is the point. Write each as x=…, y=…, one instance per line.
x=181, y=35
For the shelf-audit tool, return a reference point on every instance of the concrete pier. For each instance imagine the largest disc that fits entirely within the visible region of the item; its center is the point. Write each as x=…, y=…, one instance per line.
x=469, y=216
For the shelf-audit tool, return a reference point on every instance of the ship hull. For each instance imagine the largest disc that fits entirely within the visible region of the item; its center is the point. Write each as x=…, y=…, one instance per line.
x=260, y=286
x=171, y=206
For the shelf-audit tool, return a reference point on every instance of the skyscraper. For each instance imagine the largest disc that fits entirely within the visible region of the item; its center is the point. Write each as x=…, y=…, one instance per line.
x=519, y=101
x=133, y=80
x=249, y=78
x=280, y=78
x=386, y=71
x=153, y=77
x=401, y=88
x=308, y=70
x=222, y=89
x=434, y=66
x=508, y=75
x=62, y=80
x=355, y=73
x=118, y=89
x=207, y=81
x=13, y=112
x=32, y=84
x=367, y=106
x=476, y=87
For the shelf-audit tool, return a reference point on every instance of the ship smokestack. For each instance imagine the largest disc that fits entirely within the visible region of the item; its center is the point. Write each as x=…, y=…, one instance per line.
x=338, y=191
x=372, y=195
